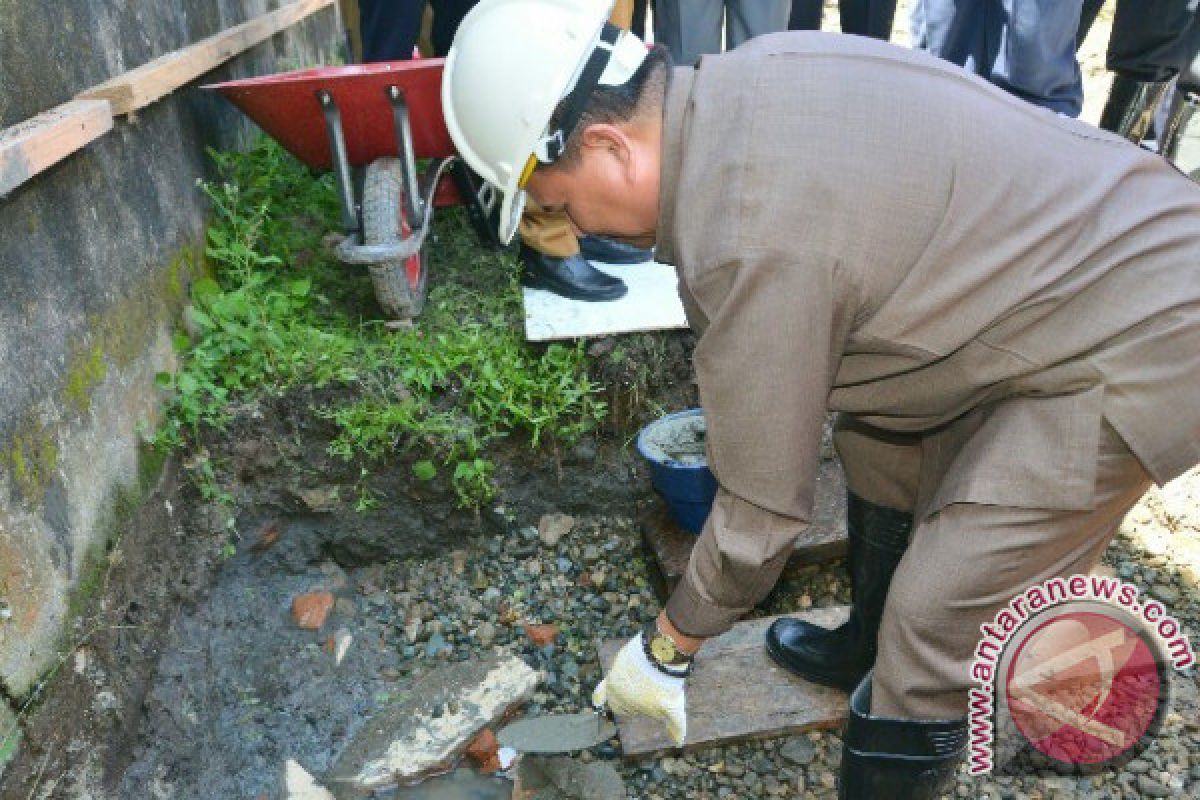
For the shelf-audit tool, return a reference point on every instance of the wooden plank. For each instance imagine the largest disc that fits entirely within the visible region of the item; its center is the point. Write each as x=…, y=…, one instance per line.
x=736, y=693
x=140, y=87
x=824, y=540
x=31, y=146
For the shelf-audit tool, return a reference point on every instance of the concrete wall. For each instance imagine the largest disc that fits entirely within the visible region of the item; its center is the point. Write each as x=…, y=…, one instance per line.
x=96, y=255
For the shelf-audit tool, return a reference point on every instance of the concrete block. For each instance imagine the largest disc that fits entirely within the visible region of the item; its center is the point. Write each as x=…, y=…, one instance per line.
x=431, y=724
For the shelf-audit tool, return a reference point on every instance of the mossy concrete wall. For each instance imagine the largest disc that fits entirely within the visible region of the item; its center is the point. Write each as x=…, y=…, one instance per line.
x=96, y=256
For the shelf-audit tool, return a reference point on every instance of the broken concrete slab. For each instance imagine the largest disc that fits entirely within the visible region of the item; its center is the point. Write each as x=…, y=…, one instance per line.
x=461, y=784
x=299, y=785
x=825, y=540
x=564, y=778
x=556, y=733
x=737, y=693
x=431, y=722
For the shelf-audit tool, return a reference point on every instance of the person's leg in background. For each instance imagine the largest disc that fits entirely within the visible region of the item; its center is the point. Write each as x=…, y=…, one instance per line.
x=1145, y=52
x=389, y=28
x=447, y=15
x=805, y=15
x=689, y=28
x=872, y=18
x=1026, y=47
x=745, y=19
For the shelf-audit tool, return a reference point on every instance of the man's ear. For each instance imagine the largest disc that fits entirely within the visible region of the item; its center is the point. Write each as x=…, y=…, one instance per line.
x=610, y=138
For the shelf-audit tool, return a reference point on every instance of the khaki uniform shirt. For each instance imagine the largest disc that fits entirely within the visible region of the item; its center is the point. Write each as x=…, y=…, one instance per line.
x=866, y=229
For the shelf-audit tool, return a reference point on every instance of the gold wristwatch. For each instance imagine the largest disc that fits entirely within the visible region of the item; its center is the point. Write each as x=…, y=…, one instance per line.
x=661, y=651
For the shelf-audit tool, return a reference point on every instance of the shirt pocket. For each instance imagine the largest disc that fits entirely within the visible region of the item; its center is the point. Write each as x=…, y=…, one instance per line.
x=1023, y=452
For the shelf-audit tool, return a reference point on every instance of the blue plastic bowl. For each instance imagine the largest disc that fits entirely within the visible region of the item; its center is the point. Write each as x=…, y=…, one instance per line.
x=688, y=488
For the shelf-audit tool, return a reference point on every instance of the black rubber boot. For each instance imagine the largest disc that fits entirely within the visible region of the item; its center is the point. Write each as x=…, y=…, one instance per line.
x=1131, y=104
x=841, y=656
x=610, y=251
x=571, y=277
x=897, y=759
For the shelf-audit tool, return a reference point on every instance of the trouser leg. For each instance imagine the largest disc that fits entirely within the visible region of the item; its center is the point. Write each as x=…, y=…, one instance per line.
x=1146, y=51
x=868, y=17
x=389, y=28
x=548, y=232
x=749, y=18
x=447, y=15
x=622, y=14
x=968, y=560
x=1026, y=47
x=805, y=15
x=688, y=28
x=1147, y=42
x=1036, y=57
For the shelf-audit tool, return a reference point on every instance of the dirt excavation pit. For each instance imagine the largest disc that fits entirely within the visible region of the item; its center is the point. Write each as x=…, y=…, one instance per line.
x=235, y=638
x=211, y=667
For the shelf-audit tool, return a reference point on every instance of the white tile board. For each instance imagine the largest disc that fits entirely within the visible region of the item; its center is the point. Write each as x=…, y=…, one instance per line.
x=651, y=304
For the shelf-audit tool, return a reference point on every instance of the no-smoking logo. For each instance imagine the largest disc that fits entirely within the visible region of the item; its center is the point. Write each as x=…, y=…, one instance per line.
x=1084, y=687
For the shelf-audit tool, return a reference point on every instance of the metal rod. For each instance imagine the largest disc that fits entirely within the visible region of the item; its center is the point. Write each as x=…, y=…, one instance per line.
x=404, y=140
x=341, y=161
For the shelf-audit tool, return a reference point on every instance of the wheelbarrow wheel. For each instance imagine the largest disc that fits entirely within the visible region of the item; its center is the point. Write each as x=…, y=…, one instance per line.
x=399, y=283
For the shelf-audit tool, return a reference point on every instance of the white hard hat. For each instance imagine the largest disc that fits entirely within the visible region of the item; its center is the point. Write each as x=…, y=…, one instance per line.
x=511, y=64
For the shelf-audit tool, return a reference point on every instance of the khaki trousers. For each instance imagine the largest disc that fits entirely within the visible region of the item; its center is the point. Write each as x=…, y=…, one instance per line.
x=966, y=560
x=550, y=232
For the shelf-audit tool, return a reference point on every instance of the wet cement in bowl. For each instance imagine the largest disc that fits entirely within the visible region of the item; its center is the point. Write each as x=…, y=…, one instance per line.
x=679, y=439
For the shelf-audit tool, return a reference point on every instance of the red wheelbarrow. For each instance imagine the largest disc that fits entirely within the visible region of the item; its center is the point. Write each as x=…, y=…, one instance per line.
x=382, y=117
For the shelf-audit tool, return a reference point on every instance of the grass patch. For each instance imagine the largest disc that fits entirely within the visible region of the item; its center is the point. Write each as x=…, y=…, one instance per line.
x=280, y=312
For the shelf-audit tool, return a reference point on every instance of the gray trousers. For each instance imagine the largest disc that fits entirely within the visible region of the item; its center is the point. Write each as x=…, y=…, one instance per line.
x=1026, y=47
x=691, y=28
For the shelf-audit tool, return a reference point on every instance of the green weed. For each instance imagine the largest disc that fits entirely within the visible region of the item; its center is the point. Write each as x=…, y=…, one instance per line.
x=280, y=313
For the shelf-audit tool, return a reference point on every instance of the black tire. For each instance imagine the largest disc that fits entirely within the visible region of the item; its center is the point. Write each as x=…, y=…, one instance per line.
x=385, y=220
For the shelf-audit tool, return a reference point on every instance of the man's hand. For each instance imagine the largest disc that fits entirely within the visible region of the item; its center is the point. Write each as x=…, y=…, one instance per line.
x=636, y=685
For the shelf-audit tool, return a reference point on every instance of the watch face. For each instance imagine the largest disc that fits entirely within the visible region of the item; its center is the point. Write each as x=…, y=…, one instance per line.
x=663, y=649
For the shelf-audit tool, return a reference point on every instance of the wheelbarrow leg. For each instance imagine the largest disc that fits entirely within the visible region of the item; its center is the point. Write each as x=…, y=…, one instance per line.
x=405, y=148
x=341, y=161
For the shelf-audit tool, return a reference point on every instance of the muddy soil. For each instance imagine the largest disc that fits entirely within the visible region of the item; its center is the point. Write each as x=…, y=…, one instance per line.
x=193, y=681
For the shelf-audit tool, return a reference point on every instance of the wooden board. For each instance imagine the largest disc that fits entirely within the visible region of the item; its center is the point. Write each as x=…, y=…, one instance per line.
x=824, y=540
x=140, y=87
x=737, y=693
x=31, y=146
x=652, y=304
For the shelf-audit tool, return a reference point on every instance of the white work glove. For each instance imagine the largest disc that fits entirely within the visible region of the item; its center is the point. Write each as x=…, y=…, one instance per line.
x=636, y=686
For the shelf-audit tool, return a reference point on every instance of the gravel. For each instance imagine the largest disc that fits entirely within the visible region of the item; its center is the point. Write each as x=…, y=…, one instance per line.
x=594, y=584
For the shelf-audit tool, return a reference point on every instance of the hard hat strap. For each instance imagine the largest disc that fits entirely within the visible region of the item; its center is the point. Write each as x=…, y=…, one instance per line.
x=555, y=142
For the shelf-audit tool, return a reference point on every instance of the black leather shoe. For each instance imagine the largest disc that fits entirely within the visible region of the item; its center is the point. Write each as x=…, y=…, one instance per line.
x=897, y=759
x=571, y=277
x=610, y=251
x=842, y=656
